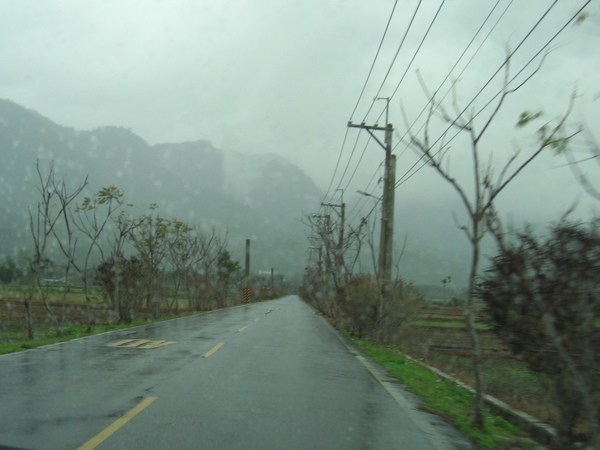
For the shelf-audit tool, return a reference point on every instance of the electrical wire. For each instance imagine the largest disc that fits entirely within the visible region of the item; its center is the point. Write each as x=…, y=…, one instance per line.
x=404, y=75
x=358, y=163
x=456, y=64
x=357, y=103
x=453, y=83
x=486, y=84
x=417, y=51
x=395, y=56
x=374, y=60
x=349, y=160
x=385, y=78
x=337, y=164
x=363, y=198
x=406, y=177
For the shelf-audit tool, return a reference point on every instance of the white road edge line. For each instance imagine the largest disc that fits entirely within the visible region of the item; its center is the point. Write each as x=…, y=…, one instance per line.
x=438, y=441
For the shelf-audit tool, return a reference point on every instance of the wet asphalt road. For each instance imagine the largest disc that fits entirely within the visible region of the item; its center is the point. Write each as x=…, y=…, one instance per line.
x=270, y=375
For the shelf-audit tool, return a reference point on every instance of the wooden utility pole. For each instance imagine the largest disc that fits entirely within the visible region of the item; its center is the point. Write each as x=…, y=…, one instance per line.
x=339, y=260
x=247, y=268
x=386, y=242
x=387, y=215
x=247, y=274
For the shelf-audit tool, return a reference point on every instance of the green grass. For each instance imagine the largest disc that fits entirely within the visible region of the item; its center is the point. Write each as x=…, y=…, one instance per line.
x=448, y=400
x=11, y=342
x=54, y=293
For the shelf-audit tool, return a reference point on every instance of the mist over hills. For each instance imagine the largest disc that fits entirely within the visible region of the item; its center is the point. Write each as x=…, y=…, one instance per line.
x=260, y=197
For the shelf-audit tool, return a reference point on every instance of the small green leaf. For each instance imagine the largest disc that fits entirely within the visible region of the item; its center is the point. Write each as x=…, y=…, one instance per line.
x=527, y=117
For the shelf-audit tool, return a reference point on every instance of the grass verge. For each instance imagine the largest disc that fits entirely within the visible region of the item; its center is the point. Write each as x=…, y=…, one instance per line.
x=446, y=399
x=15, y=342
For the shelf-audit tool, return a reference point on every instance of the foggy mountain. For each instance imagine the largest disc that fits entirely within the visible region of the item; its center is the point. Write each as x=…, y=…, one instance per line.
x=257, y=197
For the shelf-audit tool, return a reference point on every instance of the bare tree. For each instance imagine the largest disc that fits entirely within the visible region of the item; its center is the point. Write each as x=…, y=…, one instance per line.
x=125, y=283
x=183, y=249
x=89, y=221
x=590, y=154
x=67, y=241
x=486, y=186
x=121, y=235
x=322, y=237
x=150, y=240
x=339, y=248
x=52, y=211
x=227, y=269
x=211, y=245
x=392, y=310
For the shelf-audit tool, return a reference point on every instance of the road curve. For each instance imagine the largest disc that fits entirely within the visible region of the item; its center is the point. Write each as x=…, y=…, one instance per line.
x=268, y=375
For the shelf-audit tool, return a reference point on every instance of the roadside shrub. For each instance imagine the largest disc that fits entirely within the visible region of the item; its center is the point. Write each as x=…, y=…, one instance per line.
x=543, y=300
x=124, y=282
x=8, y=270
x=366, y=314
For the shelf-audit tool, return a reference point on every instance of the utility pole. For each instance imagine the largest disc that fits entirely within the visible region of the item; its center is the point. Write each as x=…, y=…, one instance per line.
x=340, y=247
x=247, y=268
x=386, y=243
x=247, y=273
x=340, y=283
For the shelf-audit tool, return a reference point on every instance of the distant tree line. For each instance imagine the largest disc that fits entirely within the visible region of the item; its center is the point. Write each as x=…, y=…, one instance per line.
x=145, y=262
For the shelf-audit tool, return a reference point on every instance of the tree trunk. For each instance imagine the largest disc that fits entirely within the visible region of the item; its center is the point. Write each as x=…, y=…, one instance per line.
x=30, y=331
x=88, y=309
x=478, y=418
x=57, y=324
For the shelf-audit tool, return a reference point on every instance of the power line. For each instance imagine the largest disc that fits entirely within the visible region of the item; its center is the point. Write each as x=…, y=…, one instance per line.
x=417, y=51
x=349, y=160
x=374, y=59
x=458, y=77
x=358, y=163
x=391, y=65
x=364, y=198
x=337, y=164
x=395, y=56
x=401, y=180
x=357, y=103
x=458, y=61
x=406, y=176
x=407, y=68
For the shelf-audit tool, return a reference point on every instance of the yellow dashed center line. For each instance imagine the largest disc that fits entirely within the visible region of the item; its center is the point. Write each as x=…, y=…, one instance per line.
x=214, y=349
x=241, y=329
x=257, y=319
x=108, y=431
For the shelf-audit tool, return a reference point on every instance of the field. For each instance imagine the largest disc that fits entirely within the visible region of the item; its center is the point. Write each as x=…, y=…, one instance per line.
x=73, y=314
x=72, y=310
x=439, y=338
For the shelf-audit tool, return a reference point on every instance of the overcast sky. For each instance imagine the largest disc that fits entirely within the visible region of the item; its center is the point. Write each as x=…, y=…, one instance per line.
x=283, y=76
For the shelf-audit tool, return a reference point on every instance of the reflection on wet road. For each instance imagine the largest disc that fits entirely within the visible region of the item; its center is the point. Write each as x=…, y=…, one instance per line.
x=265, y=375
